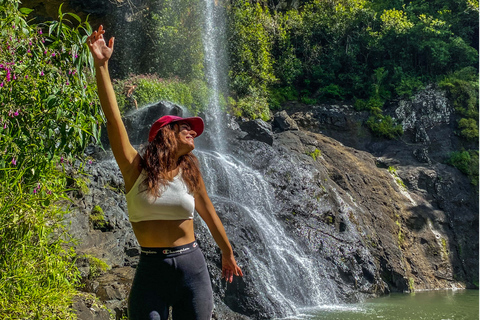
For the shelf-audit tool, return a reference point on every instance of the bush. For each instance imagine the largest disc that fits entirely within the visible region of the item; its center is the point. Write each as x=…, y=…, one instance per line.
x=384, y=126
x=278, y=96
x=49, y=112
x=466, y=162
x=146, y=89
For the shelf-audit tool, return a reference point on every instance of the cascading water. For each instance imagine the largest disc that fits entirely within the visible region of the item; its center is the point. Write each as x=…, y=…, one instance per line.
x=214, y=66
x=285, y=276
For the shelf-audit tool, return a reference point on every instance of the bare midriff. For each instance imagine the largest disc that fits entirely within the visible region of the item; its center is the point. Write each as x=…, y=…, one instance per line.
x=164, y=233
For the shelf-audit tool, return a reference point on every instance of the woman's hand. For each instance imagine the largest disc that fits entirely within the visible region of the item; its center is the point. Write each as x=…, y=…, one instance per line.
x=100, y=51
x=230, y=268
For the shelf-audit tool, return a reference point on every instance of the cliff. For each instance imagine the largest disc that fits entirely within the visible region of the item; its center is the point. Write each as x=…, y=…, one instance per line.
x=379, y=216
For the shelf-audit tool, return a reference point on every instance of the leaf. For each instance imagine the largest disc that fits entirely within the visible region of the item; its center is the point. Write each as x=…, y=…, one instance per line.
x=60, y=14
x=74, y=16
x=25, y=11
x=50, y=101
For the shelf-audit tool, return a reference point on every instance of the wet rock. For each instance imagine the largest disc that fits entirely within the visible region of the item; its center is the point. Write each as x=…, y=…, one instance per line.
x=258, y=130
x=283, y=122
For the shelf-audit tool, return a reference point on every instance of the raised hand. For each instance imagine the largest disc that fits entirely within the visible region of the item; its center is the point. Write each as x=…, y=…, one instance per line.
x=98, y=47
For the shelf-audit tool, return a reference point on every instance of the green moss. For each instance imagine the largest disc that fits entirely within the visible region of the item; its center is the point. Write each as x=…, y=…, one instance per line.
x=97, y=218
x=444, y=248
x=315, y=154
x=81, y=183
x=401, y=236
x=97, y=266
x=411, y=284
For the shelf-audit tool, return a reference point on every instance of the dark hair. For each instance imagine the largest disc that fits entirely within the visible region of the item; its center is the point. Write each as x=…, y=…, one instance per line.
x=159, y=158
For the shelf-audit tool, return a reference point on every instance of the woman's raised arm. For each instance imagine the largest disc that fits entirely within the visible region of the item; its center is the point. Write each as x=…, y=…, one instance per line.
x=126, y=156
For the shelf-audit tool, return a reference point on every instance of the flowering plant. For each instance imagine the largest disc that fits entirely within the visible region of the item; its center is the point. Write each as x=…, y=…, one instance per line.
x=47, y=105
x=49, y=112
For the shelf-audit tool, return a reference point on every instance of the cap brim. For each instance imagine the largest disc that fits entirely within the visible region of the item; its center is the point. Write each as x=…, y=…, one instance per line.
x=196, y=124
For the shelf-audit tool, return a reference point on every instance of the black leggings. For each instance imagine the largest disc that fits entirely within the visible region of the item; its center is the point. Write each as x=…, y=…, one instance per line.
x=171, y=277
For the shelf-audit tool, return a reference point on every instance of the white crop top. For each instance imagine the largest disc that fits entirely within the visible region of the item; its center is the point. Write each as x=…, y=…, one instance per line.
x=175, y=202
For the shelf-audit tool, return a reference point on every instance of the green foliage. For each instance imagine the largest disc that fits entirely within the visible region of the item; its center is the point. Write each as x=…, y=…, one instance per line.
x=174, y=31
x=384, y=126
x=193, y=95
x=254, y=106
x=315, y=154
x=466, y=162
x=462, y=88
x=349, y=49
x=48, y=114
x=97, y=266
x=278, y=96
x=38, y=276
x=251, y=63
x=411, y=284
x=97, y=218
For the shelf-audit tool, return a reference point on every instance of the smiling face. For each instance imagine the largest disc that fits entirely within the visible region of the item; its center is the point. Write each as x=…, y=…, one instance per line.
x=185, y=136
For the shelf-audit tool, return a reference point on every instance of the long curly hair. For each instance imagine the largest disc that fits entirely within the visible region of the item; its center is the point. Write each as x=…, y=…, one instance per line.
x=159, y=158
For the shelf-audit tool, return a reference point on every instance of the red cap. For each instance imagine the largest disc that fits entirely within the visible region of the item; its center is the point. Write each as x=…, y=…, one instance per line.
x=196, y=123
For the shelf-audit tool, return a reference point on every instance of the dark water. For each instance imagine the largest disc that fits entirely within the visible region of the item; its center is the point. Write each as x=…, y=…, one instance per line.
x=429, y=305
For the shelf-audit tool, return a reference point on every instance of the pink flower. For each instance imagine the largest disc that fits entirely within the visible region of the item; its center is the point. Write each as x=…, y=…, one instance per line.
x=26, y=77
x=15, y=114
x=43, y=40
x=28, y=51
x=76, y=56
x=40, y=32
x=5, y=126
x=34, y=190
x=90, y=161
x=68, y=83
x=8, y=78
x=30, y=43
x=41, y=73
x=1, y=85
x=14, y=77
x=61, y=159
x=53, y=54
x=14, y=162
x=45, y=52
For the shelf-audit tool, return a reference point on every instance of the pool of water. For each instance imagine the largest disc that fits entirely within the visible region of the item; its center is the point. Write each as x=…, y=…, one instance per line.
x=428, y=305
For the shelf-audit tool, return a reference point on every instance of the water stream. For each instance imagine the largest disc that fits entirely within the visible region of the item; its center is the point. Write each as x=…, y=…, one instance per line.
x=284, y=275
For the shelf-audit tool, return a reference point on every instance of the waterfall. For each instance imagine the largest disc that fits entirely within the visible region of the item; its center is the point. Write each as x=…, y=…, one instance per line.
x=215, y=67
x=285, y=275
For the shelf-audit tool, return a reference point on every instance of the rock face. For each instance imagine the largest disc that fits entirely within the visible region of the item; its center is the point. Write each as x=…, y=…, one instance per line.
x=375, y=217
x=447, y=204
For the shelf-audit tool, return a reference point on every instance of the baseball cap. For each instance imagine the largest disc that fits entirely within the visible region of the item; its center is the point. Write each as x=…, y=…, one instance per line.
x=196, y=123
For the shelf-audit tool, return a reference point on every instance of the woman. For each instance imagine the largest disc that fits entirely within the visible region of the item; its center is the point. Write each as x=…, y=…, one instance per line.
x=162, y=188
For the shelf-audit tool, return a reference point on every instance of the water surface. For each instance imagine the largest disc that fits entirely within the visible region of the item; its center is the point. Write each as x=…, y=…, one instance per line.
x=431, y=305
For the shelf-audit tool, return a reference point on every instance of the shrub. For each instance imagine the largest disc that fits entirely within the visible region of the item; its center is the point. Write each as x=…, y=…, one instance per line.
x=49, y=112
x=466, y=162
x=384, y=126
x=193, y=95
